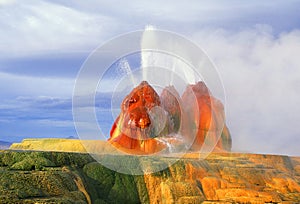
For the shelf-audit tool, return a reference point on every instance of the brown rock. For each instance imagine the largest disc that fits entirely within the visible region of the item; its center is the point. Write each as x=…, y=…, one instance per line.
x=210, y=185
x=227, y=178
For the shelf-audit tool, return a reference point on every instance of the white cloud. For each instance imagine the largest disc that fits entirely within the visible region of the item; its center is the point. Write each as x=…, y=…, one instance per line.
x=261, y=76
x=6, y=2
x=37, y=27
x=177, y=11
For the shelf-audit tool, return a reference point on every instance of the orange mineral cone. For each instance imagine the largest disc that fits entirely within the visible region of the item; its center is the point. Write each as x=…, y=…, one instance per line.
x=148, y=124
x=204, y=120
x=132, y=131
x=171, y=103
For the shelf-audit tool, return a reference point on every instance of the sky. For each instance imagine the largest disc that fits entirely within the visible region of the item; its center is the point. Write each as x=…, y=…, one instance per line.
x=255, y=45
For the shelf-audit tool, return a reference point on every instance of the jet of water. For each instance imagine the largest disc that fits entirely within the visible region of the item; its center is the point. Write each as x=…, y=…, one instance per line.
x=124, y=68
x=155, y=60
x=147, y=57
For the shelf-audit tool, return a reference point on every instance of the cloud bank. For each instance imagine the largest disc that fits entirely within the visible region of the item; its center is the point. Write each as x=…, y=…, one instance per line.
x=261, y=77
x=59, y=26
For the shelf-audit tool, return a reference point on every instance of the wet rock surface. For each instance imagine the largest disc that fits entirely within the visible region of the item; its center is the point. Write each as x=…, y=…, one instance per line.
x=61, y=177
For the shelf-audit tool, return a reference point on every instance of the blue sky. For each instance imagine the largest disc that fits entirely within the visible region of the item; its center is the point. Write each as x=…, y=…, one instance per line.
x=254, y=44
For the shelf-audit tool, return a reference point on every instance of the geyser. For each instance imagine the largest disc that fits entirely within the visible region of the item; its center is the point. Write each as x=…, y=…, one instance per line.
x=171, y=123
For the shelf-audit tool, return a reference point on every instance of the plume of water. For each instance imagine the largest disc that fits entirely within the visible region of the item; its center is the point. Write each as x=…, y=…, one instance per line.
x=124, y=68
x=147, y=57
x=165, y=69
x=154, y=60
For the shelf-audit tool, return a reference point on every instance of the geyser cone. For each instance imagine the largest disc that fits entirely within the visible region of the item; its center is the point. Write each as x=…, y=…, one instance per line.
x=171, y=103
x=149, y=124
x=134, y=129
x=204, y=120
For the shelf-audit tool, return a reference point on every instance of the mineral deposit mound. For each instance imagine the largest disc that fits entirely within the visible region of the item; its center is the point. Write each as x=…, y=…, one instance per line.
x=149, y=123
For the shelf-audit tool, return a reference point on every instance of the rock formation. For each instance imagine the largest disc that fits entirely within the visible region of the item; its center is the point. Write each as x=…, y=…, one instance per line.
x=147, y=122
x=133, y=130
x=57, y=177
x=204, y=119
x=65, y=145
x=171, y=103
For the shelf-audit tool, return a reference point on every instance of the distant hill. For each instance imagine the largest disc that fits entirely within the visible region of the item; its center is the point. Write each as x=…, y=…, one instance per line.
x=72, y=137
x=4, y=145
